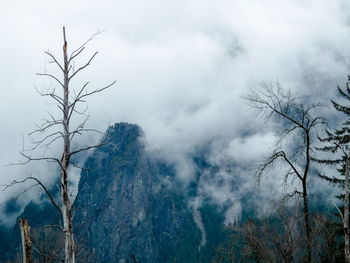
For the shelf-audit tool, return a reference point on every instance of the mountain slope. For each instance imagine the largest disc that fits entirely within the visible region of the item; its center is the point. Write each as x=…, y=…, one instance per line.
x=128, y=204
x=127, y=208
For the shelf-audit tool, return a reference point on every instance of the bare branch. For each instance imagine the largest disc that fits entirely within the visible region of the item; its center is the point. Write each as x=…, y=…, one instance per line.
x=54, y=60
x=52, y=95
x=51, y=76
x=29, y=159
x=76, y=52
x=82, y=67
x=14, y=182
x=51, y=226
x=80, y=96
x=47, y=256
x=270, y=160
x=96, y=90
x=77, y=166
x=340, y=213
x=76, y=100
x=88, y=148
x=295, y=192
x=38, y=143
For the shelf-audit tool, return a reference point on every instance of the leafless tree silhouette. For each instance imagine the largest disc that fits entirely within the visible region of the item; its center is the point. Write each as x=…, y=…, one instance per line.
x=300, y=121
x=59, y=129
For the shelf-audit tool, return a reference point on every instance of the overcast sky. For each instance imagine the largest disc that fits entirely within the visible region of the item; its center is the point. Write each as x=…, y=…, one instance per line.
x=180, y=67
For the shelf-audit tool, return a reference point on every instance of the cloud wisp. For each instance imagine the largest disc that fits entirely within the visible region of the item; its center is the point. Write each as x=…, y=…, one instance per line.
x=180, y=67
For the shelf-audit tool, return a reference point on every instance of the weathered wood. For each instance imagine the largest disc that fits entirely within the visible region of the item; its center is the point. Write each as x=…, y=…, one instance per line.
x=66, y=202
x=66, y=101
x=26, y=241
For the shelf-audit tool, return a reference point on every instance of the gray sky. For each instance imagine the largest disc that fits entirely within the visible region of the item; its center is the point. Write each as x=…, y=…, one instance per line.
x=180, y=68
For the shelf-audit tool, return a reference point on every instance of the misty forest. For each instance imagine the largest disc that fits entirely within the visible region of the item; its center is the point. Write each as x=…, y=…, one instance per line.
x=162, y=131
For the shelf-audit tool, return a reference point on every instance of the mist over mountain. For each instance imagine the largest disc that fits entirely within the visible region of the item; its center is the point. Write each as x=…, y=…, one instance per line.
x=131, y=203
x=179, y=76
x=180, y=171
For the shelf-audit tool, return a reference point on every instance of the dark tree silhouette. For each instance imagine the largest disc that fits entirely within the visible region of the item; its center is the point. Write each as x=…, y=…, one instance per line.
x=299, y=124
x=337, y=143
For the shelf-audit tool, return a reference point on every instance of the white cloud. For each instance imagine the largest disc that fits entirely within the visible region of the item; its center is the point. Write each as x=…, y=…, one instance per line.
x=180, y=66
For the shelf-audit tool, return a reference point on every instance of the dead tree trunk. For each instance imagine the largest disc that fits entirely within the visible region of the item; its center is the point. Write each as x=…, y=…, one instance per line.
x=67, y=101
x=66, y=202
x=26, y=241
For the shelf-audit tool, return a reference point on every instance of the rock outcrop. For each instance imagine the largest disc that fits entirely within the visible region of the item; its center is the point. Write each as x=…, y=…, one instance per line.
x=125, y=207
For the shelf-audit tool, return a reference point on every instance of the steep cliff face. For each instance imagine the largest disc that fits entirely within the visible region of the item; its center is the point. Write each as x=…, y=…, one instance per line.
x=128, y=205
x=125, y=208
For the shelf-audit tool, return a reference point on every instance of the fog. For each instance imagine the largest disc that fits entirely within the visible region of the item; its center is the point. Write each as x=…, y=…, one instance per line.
x=181, y=68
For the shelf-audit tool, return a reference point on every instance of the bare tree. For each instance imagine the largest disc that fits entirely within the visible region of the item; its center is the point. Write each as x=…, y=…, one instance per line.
x=277, y=236
x=59, y=130
x=48, y=244
x=299, y=124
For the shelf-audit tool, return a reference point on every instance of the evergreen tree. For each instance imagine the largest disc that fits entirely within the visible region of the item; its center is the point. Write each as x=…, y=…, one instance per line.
x=337, y=143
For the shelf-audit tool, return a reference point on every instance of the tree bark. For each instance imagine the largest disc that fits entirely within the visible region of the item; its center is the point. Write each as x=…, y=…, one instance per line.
x=66, y=103
x=346, y=213
x=26, y=241
x=66, y=202
x=306, y=201
x=307, y=224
